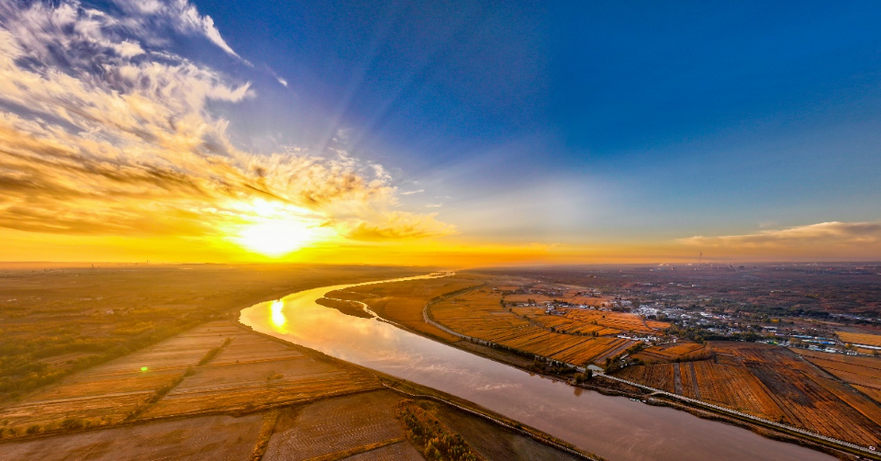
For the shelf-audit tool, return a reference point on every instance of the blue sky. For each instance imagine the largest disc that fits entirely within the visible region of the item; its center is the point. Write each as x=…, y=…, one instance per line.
x=587, y=124
x=699, y=117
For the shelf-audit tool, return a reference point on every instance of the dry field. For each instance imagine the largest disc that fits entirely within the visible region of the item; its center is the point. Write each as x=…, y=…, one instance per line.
x=338, y=425
x=682, y=350
x=528, y=297
x=56, y=321
x=109, y=393
x=221, y=392
x=773, y=383
x=569, y=298
x=586, y=321
x=479, y=314
x=208, y=437
x=873, y=392
x=253, y=372
x=402, y=302
x=401, y=451
x=588, y=301
x=568, y=323
x=660, y=376
x=863, y=373
x=250, y=371
x=860, y=338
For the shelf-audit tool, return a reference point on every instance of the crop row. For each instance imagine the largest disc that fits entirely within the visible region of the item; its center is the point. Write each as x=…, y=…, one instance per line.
x=480, y=315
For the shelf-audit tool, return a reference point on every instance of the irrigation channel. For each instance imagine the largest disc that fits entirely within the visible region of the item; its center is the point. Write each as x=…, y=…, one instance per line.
x=615, y=428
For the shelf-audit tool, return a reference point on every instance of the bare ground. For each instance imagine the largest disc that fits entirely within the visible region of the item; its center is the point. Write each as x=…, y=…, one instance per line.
x=208, y=437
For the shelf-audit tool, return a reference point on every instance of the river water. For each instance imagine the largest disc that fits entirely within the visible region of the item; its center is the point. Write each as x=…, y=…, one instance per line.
x=613, y=427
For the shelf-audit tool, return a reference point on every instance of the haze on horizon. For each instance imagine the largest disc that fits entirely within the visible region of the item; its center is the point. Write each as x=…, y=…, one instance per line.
x=450, y=133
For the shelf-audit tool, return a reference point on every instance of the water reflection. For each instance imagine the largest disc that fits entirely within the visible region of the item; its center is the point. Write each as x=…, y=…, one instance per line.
x=277, y=316
x=613, y=427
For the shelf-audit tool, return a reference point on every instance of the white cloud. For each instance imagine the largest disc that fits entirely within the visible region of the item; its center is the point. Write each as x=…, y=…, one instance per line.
x=412, y=192
x=178, y=14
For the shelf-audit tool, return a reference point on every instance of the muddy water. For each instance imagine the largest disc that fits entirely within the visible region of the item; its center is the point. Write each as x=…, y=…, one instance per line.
x=613, y=427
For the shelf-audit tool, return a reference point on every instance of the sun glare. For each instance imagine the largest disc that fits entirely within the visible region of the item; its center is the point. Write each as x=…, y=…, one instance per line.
x=275, y=238
x=278, y=230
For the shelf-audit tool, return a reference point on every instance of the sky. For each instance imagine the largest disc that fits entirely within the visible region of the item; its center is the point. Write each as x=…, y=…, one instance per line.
x=451, y=133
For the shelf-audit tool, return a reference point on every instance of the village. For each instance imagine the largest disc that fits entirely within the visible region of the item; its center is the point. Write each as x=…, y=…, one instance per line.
x=694, y=315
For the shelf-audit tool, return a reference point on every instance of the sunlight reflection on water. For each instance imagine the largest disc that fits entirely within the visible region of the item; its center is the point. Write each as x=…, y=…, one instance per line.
x=278, y=318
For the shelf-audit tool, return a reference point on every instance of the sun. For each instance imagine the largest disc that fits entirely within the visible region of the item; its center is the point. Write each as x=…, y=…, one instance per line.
x=275, y=229
x=277, y=237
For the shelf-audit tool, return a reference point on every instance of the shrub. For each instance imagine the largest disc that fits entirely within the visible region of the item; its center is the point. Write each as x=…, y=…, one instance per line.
x=71, y=423
x=435, y=440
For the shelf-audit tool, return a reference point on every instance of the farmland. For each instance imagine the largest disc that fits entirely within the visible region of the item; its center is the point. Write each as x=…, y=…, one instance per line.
x=55, y=321
x=570, y=296
x=339, y=425
x=206, y=437
x=678, y=351
x=167, y=380
x=862, y=373
x=590, y=322
x=479, y=314
x=860, y=338
x=772, y=383
x=221, y=392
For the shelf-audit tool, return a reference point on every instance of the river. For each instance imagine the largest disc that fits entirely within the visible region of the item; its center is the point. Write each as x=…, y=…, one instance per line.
x=613, y=427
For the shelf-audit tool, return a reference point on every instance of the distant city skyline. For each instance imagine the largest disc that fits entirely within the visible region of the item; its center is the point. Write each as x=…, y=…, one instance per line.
x=451, y=133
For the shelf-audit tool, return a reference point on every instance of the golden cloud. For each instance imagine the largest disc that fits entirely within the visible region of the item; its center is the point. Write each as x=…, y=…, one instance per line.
x=103, y=133
x=400, y=225
x=842, y=233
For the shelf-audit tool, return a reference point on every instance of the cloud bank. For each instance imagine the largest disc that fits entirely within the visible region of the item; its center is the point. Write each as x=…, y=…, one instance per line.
x=827, y=233
x=104, y=131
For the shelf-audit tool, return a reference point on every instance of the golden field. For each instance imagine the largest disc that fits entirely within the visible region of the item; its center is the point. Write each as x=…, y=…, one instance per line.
x=860, y=338
x=863, y=373
x=56, y=321
x=770, y=382
x=479, y=314
x=253, y=398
